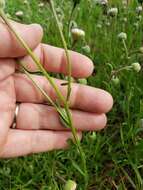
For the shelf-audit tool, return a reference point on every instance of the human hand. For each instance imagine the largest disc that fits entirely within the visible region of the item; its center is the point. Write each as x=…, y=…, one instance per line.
x=38, y=128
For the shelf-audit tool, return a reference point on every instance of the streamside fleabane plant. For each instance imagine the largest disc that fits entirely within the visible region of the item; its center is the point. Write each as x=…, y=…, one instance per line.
x=77, y=33
x=122, y=36
x=64, y=112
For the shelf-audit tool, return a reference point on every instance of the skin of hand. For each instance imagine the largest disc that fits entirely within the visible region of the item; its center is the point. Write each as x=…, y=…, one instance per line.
x=38, y=128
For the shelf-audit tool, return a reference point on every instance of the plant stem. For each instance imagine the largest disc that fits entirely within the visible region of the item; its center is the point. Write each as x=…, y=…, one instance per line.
x=59, y=111
x=126, y=49
x=50, y=79
x=37, y=86
x=115, y=72
x=65, y=47
x=35, y=59
x=74, y=132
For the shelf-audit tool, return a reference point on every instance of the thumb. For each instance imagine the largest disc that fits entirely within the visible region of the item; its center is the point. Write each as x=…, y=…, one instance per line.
x=10, y=46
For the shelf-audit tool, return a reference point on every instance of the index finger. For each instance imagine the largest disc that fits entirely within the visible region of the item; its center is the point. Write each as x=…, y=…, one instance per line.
x=10, y=46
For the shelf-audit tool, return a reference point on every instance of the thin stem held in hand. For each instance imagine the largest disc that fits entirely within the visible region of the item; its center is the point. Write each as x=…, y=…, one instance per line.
x=35, y=59
x=51, y=81
x=65, y=47
x=74, y=132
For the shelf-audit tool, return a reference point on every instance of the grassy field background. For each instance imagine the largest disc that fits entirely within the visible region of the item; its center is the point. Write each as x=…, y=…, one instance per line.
x=114, y=155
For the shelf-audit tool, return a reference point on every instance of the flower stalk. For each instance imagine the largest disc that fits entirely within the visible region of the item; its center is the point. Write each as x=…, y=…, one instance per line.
x=65, y=47
x=64, y=113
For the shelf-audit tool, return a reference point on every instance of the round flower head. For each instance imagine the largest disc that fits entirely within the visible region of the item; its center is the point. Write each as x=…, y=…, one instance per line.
x=102, y=2
x=139, y=9
x=2, y=4
x=77, y=33
x=25, y=2
x=113, y=12
x=141, y=49
x=19, y=13
x=41, y=4
x=70, y=185
x=122, y=36
x=99, y=25
x=136, y=67
x=125, y=19
x=115, y=80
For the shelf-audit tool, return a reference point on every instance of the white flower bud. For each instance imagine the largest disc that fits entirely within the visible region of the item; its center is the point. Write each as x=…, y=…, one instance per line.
x=104, y=2
x=115, y=80
x=108, y=23
x=136, y=67
x=77, y=33
x=25, y=2
x=122, y=36
x=125, y=19
x=2, y=4
x=141, y=49
x=70, y=185
x=19, y=13
x=99, y=25
x=113, y=12
x=101, y=2
x=139, y=9
x=41, y=5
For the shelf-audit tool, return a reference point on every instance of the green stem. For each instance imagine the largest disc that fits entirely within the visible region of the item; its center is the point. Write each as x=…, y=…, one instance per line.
x=126, y=49
x=35, y=59
x=65, y=47
x=115, y=72
x=134, y=52
x=49, y=78
x=123, y=68
x=74, y=132
x=39, y=88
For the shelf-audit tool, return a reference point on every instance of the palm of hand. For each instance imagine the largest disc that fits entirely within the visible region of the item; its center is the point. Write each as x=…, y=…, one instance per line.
x=88, y=105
